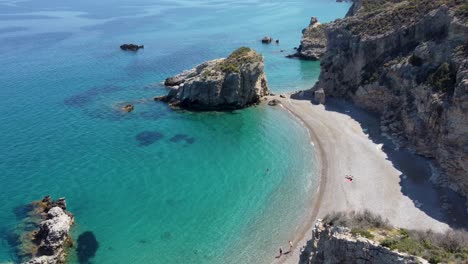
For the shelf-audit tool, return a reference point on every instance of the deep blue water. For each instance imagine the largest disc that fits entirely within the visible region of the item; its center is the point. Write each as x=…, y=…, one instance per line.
x=154, y=185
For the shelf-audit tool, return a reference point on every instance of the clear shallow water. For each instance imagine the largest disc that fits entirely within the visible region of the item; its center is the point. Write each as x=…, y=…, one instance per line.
x=154, y=186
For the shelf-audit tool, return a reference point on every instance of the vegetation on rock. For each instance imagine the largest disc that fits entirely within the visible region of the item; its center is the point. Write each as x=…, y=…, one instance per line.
x=443, y=79
x=242, y=55
x=381, y=16
x=448, y=247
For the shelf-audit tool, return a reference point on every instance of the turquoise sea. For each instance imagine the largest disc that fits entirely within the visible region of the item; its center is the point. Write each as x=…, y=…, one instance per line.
x=153, y=185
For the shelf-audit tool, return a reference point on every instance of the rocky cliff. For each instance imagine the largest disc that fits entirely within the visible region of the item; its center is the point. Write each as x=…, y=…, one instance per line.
x=49, y=240
x=336, y=244
x=235, y=82
x=313, y=42
x=408, y=61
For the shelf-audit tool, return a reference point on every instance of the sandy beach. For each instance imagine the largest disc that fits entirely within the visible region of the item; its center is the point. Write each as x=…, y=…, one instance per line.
x=385, y=180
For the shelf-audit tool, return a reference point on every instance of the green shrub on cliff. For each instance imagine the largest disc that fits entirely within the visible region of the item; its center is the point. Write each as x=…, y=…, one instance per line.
x=381, y=16
x=451, y=247
x=240, y=56
x=443, y=79
x=448, y=247
x=362, y=232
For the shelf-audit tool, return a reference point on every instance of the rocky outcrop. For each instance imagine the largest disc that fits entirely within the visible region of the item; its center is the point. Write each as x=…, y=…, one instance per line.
x=48, y=242
x=313, y=42
x=407, y=61
x=267, y=40
x=128, y=108
x=131, y=47
x=336, y=244
x=235, y=82
x=319, y=96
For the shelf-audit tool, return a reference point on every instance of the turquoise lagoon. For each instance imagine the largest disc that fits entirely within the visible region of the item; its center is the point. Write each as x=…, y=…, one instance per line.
x=154, y=185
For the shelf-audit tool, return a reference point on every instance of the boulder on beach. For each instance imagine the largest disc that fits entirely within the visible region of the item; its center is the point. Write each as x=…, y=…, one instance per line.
x=131, y=47
x=319, y=96
x=232, y=83
x=274, y=102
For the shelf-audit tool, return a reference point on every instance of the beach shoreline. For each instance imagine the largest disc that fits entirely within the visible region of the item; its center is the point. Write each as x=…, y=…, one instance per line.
x=379, y=185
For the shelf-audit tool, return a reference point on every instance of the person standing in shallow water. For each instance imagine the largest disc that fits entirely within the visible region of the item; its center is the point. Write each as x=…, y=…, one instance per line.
x=290, y=246
x=281, y=252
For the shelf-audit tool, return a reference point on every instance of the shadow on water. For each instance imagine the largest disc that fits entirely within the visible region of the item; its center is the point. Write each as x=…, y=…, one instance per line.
x=440, y=203
x=147, y=138
x=87, y=247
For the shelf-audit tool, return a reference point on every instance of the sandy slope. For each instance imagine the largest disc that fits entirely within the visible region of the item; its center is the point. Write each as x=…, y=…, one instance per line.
x=345, y=148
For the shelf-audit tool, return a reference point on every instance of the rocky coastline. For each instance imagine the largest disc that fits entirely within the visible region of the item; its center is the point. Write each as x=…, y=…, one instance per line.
x=338, y=244
x=313, y=42
x=48, y=236
x=232, y=83
x=408, y=62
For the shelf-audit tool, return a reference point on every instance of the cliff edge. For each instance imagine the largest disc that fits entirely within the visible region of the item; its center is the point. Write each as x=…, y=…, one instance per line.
x=337, y=244
x=407, y=61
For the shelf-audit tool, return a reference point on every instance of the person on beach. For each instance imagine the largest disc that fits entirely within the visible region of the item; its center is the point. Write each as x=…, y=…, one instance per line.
x=290, y=246
x=281, y=252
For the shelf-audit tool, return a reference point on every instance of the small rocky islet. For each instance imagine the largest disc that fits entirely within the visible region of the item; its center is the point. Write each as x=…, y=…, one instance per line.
x=234, y=82
x=44, y=233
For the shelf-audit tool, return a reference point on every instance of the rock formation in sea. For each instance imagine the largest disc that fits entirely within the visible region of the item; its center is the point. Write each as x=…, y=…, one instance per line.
x=407, y=61
x=131, y=47
x=267, y=40
x=235, y=82
x=49, y=240
x=338, y=244
x=313, y=42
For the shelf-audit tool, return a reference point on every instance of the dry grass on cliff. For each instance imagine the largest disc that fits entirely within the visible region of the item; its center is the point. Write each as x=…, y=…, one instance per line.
x=381, y=16
x=356, y=220
x=448, y=247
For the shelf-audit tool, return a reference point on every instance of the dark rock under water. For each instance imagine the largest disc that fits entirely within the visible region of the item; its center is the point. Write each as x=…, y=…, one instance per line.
x=147, y=138
x=87, y=247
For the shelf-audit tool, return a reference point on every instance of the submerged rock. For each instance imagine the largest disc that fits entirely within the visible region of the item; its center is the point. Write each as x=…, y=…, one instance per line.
x=87, y=247
x=128, y=108
x=235, y=82
x=131, y=47
x=48, y=242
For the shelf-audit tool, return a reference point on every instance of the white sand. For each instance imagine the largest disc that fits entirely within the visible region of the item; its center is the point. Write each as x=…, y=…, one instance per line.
x=343, y=148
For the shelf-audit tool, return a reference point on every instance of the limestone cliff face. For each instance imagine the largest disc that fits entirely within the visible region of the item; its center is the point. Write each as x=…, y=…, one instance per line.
x=235, y=82
x=313, y=42
x=330, y=245
x=408, y=61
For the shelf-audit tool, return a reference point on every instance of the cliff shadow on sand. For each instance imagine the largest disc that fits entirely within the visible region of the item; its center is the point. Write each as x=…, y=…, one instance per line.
x=439, y=203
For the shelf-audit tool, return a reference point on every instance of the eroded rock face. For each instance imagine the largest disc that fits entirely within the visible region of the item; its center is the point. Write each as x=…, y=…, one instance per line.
x=407, y=62
x=332, y=245
x=231, y=83
x=313, y=42
x=50, y=241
